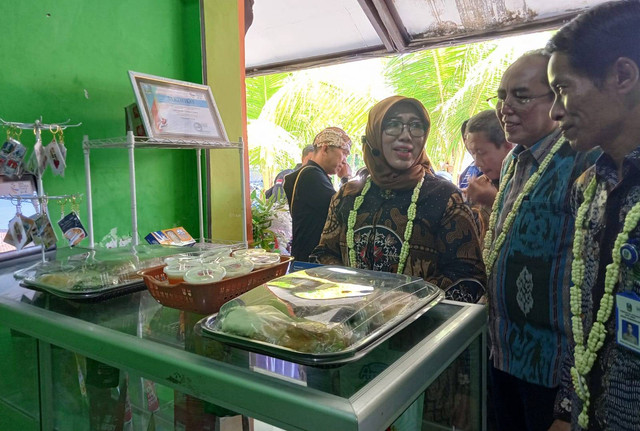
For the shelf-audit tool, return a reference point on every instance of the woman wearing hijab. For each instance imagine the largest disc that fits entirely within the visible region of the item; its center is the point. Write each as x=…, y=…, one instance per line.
x=401, y=217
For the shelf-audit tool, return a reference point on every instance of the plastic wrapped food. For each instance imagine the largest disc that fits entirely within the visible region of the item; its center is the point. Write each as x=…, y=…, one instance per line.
x=87, y=274
x=327, y=310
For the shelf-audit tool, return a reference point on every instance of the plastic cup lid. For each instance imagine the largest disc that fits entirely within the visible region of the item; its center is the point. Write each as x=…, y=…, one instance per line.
x=179, y=269
x=235, y=266
x=177, y=259
x=264, y=259
x=248, y=252
x=205, y=274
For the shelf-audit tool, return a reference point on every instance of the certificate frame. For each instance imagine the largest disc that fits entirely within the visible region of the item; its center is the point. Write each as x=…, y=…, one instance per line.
x=177, y=110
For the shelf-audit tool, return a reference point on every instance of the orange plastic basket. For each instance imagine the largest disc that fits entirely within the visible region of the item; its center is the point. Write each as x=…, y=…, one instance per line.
x=207, y=298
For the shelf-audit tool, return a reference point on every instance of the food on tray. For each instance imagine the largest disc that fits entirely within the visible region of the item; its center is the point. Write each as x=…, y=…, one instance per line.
x=315, y=314
x=245, y=252
x=205, y=274
x=61, y=280
x=269, y=324
x=89, y=276
x=234, y=266
x=262, y=260
x=321, y=315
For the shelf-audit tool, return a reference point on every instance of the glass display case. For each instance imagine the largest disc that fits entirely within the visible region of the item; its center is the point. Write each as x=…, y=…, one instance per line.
x=130, y=363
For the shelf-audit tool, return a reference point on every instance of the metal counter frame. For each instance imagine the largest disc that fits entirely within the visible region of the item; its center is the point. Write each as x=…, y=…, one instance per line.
x=250, y=393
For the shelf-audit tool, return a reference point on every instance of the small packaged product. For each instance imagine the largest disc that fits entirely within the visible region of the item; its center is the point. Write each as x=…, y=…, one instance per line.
x=12, y=154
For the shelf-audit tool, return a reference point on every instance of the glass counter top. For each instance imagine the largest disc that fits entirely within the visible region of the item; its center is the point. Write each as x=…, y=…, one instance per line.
x=135, y=332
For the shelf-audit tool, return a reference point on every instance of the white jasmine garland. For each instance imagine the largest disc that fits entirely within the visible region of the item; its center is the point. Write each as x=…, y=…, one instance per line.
x=411, y=215
x=491, y=247
x=585, y=356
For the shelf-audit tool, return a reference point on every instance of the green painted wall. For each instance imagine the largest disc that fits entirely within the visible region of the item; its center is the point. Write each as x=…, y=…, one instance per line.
x=68, y=59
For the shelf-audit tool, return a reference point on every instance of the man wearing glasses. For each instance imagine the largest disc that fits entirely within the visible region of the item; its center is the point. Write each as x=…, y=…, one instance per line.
x=527, y=249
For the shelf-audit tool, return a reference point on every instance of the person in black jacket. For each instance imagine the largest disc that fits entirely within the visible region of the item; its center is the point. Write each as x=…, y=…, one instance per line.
x=309, y=190
x=277, y=188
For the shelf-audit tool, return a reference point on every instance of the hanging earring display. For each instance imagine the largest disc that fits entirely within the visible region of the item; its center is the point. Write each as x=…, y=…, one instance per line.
x=43, y=230
x=12, y=153
x=70, y=224
x=17, y=235
x=38, y=160
x=28, y=223
x=56, y=152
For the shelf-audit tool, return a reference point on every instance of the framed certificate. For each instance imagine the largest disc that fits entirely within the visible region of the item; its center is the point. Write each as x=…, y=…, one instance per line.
x=172, y=109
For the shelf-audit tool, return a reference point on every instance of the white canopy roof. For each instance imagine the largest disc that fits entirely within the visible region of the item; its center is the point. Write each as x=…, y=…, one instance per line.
x=291, y=34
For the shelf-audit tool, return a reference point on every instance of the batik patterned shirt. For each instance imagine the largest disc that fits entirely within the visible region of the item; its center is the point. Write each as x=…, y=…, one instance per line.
x=444, y=246
x=614, y=380
x=528, y=305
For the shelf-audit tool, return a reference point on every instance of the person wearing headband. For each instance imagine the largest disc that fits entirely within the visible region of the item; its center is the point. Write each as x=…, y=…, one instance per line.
x=309, y=189
x=400, y=217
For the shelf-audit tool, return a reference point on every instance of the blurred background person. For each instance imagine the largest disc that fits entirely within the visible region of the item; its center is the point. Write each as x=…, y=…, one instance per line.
x=277, y=189
x=471, y=170
x=488, y=146
x=309, y=189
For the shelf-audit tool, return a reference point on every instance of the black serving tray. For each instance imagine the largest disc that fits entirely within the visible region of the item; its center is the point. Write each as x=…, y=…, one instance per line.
x=88, y=295
x=427, y=296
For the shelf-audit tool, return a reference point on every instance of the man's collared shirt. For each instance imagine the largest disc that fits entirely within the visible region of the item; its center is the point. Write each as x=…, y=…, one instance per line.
x=528, y=305
x=614, y=380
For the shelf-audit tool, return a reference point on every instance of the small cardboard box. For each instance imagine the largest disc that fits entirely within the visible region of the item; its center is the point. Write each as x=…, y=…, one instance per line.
x=174, y=236
x=158, y=237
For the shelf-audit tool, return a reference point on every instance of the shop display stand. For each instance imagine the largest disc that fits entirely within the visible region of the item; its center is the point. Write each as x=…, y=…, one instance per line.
x=41, y=197
x=132, y=142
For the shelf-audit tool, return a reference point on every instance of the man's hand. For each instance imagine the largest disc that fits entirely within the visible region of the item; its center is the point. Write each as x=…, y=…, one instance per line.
x=481, y=191
x=344, y=171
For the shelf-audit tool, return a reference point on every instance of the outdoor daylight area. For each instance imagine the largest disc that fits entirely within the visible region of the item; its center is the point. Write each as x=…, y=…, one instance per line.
x=285, y=111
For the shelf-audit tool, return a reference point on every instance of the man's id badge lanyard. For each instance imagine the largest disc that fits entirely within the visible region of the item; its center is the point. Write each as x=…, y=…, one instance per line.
x=628, y=303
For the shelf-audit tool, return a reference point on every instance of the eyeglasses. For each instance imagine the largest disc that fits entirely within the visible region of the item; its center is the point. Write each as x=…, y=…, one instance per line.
x=395, y=128
x=520, y=101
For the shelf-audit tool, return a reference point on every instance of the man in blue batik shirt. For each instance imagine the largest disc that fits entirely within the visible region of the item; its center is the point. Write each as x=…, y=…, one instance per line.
x=528, y=305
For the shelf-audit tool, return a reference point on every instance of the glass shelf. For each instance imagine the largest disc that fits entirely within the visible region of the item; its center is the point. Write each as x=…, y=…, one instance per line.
x=144, y=142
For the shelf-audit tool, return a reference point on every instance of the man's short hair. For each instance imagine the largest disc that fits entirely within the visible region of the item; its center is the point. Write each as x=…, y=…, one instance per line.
x=595, y=39
x=487, y=122
x=307, y=150
x=542, y=53
x=463, y=128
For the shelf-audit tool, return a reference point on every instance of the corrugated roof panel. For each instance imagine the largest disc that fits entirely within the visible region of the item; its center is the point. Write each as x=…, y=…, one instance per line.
x=289, y=30
x=299, y=33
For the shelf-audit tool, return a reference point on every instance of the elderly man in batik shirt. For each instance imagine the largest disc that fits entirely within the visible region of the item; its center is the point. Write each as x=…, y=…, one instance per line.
x=527, y=247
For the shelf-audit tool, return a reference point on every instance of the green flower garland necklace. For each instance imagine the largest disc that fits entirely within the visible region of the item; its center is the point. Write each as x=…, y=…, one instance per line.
x=411, y=215
x=585, y=356
x=491, y=248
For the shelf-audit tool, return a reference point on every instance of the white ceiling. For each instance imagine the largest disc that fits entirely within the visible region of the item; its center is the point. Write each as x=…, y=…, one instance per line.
x=292, y=34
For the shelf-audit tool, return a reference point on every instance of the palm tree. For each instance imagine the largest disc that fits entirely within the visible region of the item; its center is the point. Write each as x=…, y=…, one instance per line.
x=453, y=83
